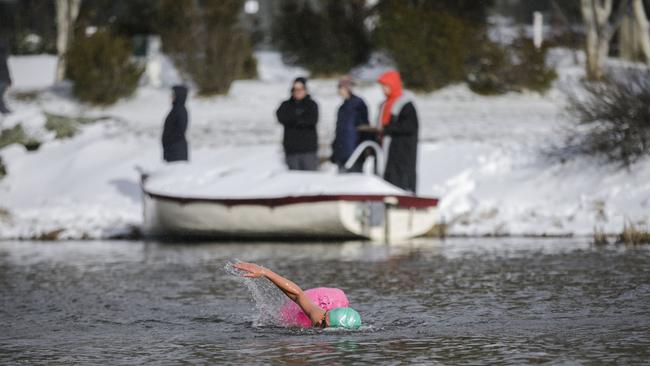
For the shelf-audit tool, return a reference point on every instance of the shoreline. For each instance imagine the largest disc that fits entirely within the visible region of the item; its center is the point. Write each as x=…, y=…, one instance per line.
x=481, y=156
x=51, y=237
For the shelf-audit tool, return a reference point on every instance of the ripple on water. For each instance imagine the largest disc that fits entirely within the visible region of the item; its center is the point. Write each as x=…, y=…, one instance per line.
x=462, y=301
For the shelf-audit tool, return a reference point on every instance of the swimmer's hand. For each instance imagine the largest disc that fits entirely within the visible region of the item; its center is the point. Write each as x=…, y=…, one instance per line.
x=252, y=270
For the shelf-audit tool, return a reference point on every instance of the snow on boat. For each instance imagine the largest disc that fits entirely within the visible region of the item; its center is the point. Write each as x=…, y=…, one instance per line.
x=239, y=203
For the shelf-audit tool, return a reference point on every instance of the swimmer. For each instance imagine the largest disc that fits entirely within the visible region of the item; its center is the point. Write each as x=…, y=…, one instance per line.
x=338, y=317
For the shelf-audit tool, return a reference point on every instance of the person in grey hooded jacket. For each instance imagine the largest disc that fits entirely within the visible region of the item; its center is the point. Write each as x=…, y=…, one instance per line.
x=400, y=132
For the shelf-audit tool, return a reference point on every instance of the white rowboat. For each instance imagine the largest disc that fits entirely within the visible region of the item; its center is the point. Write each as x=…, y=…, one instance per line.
x=284, y=205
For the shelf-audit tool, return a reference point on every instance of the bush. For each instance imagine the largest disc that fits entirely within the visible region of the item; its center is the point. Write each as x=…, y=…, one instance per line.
x=65, y=126
x=429, y=45
x=530, y=70
x=101, y=69
x=327, y=40
x=3, y=169
x=26, y=96
x=488, y=71
x=205, y=41
x=249, y=67
x=616, y=116
x=17, y=135
x=436, y=43
x=28, y=43
x=496, y=69
x=473, y=12
x=432, y=41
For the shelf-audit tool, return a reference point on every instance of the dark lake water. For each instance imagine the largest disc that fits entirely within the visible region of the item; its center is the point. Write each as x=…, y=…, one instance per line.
x=459, y=301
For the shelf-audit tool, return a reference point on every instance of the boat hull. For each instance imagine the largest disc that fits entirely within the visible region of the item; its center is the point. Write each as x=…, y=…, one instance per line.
x=380, y=218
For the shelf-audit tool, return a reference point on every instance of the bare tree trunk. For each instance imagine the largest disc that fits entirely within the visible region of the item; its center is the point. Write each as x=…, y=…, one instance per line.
x=628, y=39
x=599, y=31
x=643, y=26
x=66, y=14
x=591, y=9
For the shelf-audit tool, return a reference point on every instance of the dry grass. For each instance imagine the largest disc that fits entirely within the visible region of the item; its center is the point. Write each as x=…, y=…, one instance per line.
x=5, y=215
x=600, y=237
x=633, y=235
x=26, y=96
x=50, y=235
x=439, y=230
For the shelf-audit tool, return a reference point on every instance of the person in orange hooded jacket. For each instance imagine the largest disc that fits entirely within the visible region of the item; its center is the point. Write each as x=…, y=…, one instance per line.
x=399, y=122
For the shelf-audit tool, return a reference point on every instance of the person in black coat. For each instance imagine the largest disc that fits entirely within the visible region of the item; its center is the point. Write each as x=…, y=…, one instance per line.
x=299, y=115
x=351, y=114
x=403, y=149
x=400, y=121
x=173, y=136
x=5, y=77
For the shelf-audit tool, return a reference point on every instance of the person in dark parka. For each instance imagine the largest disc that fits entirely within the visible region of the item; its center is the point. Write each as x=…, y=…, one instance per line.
x=173, y=136
x=5, y=77
x=351, y=114
x=299, y=115
x=400, y=129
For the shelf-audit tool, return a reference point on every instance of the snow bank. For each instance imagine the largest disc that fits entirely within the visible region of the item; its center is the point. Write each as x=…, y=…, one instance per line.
x=258, y=174
x=480, y=155
x=488, y=189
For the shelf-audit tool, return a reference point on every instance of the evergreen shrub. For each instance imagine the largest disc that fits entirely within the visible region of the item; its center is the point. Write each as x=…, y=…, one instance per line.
x=496, y=69
x=101, y=68
x=328, y=38
x=249, y=67
x=206, y=42
x=488, y=70
x=429, y=46
x=530, y=70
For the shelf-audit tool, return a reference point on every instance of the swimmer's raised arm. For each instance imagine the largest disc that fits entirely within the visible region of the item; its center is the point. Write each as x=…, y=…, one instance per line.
x=295, y=293
x=254, y=271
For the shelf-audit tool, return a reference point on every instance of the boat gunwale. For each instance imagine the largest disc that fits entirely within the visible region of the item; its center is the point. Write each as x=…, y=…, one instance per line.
x=401, y=201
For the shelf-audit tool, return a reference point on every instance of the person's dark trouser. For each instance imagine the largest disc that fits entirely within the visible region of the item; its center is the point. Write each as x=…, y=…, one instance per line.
x=302, y=161
x=177, y=151
x=3, y=89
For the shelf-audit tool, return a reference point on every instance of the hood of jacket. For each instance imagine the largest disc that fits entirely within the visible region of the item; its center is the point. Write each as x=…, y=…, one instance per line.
x=180, y=95
x=394, y=80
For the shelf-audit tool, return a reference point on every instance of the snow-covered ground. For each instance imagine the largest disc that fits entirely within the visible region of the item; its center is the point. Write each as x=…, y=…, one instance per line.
x=483, y=156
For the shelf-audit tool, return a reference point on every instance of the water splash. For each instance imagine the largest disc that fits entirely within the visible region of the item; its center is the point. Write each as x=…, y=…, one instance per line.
x=267, y=297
